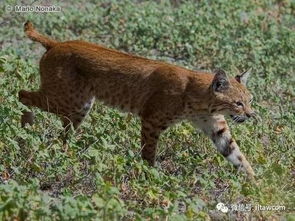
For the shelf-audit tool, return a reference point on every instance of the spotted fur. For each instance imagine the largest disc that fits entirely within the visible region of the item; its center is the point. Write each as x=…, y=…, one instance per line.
x=75, y=73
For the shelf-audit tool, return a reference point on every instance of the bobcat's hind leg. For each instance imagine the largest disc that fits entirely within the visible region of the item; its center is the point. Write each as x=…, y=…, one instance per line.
x=72, y=107
x=27, y=118
x=75, y=117
x=40, y=99
x=29, y=99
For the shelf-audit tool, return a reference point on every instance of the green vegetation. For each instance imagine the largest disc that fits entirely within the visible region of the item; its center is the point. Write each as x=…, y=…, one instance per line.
x=102, y=176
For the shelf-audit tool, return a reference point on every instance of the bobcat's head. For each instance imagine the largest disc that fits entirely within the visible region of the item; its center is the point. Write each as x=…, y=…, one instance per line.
x=231, y=97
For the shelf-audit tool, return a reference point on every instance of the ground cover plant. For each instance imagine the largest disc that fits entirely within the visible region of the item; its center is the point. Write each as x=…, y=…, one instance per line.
x=102, y=176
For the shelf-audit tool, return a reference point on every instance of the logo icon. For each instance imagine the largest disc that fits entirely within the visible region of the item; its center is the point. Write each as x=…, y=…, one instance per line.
x=222, y=207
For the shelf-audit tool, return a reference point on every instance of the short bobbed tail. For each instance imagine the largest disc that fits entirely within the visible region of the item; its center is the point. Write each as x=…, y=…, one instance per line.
x=36, y=36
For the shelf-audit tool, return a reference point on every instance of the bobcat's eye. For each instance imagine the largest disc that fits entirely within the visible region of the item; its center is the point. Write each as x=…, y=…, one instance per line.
x=251, y=100
x=240, y=104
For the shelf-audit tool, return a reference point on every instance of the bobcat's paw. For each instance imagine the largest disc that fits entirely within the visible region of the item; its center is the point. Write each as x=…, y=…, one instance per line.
x=27, y=118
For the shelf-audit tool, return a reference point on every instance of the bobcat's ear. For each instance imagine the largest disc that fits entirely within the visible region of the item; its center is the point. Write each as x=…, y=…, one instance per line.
x=220, y=81
x=242, y=78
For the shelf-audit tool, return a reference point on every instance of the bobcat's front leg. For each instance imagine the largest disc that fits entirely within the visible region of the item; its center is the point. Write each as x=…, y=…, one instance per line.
x=150, y=133
x=217, y=129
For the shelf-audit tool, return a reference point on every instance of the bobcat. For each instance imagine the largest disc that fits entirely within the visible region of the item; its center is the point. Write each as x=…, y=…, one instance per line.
x=75, y=73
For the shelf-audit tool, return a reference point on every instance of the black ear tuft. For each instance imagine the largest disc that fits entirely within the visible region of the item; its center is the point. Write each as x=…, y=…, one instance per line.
x=220, y=82
x=242, y=78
